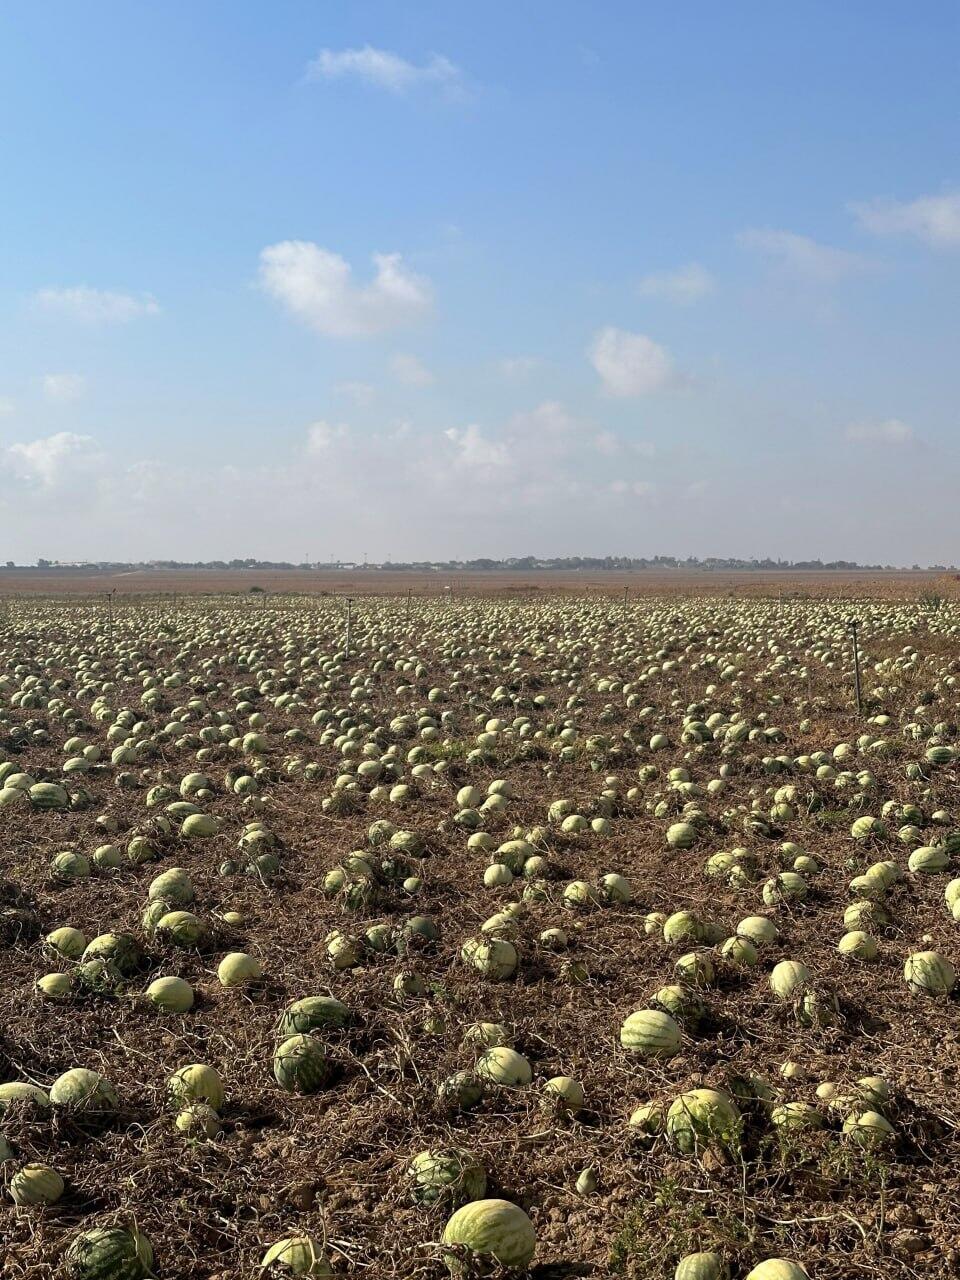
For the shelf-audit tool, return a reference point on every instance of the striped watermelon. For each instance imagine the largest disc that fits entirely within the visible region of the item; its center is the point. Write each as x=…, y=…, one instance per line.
x=296, y=1256
x=36, y=1184
x=109, y=1253
x=682, y=835
x=929, y=972
x=301, y=1066
x=704, y=1117
x=449, y=1176
x=493, y=1229
x=195, y=1082
x=312, y=1012
x=652, y=1033
x=928, y=859
x=48, y=795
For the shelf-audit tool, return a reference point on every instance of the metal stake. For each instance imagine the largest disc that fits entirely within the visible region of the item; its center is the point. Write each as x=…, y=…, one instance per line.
x=852, y=625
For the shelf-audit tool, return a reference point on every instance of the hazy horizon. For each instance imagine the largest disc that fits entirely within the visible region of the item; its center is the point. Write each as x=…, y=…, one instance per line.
x=378, y=279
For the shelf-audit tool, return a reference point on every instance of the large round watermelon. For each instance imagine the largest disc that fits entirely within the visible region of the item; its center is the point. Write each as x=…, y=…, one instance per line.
x=489, y=1230
x=109, y=1253
x=300, y=1065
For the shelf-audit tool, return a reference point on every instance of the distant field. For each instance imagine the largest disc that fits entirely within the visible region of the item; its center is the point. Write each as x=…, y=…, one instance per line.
x=891, y=585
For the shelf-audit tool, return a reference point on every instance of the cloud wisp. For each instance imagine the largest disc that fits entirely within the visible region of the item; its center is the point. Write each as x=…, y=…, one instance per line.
x=318, y=288
x=383, y=69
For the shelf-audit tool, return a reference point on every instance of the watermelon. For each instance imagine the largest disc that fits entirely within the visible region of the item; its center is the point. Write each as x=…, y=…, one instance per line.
x=69, y=866
x=868, y=1129
x=681, y=926
x=859, y=945
x=489, y=1230
x=759, y=929
x=777, y=1269
x=67, y=942
x=296, y=1256
x=504, y=1066
x=652, y=1033
x=83, y=1090
x=928, y=860
x=121, y=949
x=173, y=886
x=565, y=1093
x=195, y=1082
x=20, y=1091
x=459, y=1092
x=109, y=1253
x=682, y=835
x=796, y=1115
x=742, y=953
x=55, y=986
x=930, y=973
x=449, y=1176
x=788, y=978
x=48, y=795
x=312, y=1012
x=198, y=1121
x=36, y=1184
x=182, y=928
x=236, y=969
x=701, y=1266
x=704, y=1117
x=199, y=826
x=301, y=1066
x=171, y=995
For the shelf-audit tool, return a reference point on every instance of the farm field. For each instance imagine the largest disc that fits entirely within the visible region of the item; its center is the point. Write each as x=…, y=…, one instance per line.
x=891, y=584
x=620, y=925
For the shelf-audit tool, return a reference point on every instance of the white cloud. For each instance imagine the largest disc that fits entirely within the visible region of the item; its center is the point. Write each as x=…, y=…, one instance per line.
x=322, y=437
x=550, y=419
x=891, y=431
x=411, y=371
x=96, y=306
x=361, y=393
x=630, y=364
x=384, y=69
x=317, y=287
x=387, y=490
x=801, y=257
x=45, y=461
x=933, y=219
x=62, y=388
x=684, y=285
x=607, y=444
x=477, y=453
x=518, y=366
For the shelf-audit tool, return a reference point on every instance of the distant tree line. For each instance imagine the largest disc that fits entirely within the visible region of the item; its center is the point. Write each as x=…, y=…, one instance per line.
x=485, y=565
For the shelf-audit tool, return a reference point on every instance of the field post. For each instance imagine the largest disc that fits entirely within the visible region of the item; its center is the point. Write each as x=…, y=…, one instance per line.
x=852, y=624
x=346, y=646
x=406, y=616
x=625, y=590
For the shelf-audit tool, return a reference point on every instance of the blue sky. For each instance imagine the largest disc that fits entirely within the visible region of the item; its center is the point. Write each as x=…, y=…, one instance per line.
x=445, y=280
